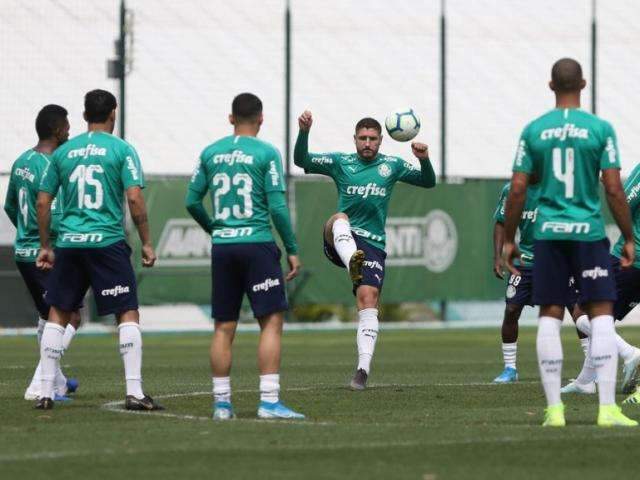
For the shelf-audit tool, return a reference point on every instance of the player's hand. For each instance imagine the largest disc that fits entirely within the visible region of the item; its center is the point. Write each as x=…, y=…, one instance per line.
x=294, y=267
x=628, y=254
x=45, y=259
x=497, y=268
x=420, y=150
x=148, y=256
x=305, y=121
x=510, y=252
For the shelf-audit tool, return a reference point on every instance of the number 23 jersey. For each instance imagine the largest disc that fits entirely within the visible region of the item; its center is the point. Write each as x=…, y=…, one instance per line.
x=567, y=148
x=94, y=169
x=239, y=171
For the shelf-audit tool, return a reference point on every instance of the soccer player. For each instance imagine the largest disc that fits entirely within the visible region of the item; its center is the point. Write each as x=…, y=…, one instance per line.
x=52, y=127
x=520, y=287
x=355, y=237
x=628, y=293
x=95, y=170
x=568, y=148
x=244, y=175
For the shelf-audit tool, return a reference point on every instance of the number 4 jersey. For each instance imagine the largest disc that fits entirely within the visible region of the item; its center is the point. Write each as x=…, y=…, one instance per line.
x=239, y=171
x=93, y=170
x=567, y=149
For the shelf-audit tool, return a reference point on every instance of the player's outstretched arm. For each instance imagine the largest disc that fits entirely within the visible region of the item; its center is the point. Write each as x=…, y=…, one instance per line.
x=619, y=207
x=138, y=210
x=426, y=176
x=515, y=205
x=280, y=216
x=193, y=203
x=301, y=149
x=45, y=257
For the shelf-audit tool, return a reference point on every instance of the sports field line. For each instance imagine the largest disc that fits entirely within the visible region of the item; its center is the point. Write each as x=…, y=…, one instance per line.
x=545, y=436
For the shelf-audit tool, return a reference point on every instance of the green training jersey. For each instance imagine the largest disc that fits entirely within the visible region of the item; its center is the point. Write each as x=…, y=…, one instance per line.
x=566, y=149
x=632, y=191
x=93, y=171
x=22, y=194
x=364, y=187
x=527, y=222
x=239, y=171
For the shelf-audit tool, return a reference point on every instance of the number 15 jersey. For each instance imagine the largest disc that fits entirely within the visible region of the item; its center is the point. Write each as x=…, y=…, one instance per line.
x=94, y=169
x=239, y=171
x=567, y=148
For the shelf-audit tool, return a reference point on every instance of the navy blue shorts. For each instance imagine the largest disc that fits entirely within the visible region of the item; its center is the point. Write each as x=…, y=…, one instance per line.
x=251, y=268
x=627, y=288
x=107, y=270
x=556, y=261
x=36, y=282
x=372, y=267
x=520, y=289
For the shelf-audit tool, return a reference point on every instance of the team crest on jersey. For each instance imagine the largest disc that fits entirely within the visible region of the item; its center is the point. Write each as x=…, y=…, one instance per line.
x=511, y=291
x=384, y=170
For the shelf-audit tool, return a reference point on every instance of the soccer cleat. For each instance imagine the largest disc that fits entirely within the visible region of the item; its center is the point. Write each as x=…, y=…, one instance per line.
x=634, y=398
x=223, y=411
x=145, y=403
x=629, y=373
x=359, y=380
x=277, y=410
x=612, y=416
x=583, y=388
x=44, y=404
x=554, y=416
x=72, y=385
x=508, y=375
x=355, y=266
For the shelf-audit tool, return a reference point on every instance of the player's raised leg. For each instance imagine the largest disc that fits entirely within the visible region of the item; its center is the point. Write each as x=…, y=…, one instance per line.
x=338, y=235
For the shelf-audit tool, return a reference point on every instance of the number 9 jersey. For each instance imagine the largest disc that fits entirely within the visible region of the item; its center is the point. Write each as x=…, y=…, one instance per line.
x=566, y=149
x=94, y=169
x=239, y=171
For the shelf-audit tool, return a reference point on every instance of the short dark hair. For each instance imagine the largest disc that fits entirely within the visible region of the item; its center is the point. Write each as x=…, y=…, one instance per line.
x=246, y=106
x=369, y=122
x=566, y=75
x=49, y=118
x=98, y=105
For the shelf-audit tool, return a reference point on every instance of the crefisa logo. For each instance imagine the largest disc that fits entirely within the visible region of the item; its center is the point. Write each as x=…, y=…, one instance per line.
x=430, y=241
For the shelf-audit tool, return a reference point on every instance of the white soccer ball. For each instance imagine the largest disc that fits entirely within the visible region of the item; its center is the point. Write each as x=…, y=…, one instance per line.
x=402, y=124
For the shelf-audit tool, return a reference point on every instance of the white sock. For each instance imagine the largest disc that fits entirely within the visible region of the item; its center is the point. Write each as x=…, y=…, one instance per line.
x=509, y=352
x=343, y=240
x=625, y=350
x=584, y=343
x=131, y=352
x=549, y=348
x=221, y=389
x=269, y=387
x=41, y=323
x=584, y=325
x=50, y=353
x=366, y=337
x=604, y=357
x=588, y=373
x=69, y=333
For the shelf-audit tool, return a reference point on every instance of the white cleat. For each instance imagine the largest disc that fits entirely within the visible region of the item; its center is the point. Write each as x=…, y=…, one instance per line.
x=582, y=388
x=630, y=372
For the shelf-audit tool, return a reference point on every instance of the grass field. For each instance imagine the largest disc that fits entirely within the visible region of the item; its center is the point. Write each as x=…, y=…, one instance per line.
x=430, y=414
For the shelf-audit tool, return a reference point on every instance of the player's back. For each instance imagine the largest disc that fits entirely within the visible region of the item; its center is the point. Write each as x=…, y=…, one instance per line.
x=25, y=178
x=240, y=171
x=567, y=149
x=93, y=169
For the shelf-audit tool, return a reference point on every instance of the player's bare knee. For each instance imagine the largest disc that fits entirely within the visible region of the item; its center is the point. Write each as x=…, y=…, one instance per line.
x=367, y=297
x=512, y=313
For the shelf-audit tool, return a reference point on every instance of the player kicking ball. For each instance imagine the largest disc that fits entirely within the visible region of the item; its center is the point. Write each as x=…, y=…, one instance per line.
x=52, y=127
x=95, y=171
x=354, y=238
x=244, y=177
x=568, y=149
